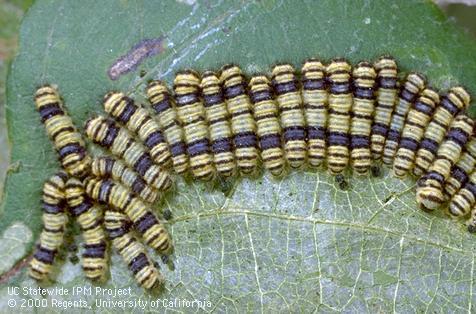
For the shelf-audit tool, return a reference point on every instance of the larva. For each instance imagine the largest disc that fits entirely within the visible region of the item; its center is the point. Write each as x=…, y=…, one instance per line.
x=90, y=219
x=288, y=98
x=243, y=125
x=340, y=104
x=163, y=104
x=60, y=128
x=315, y=102
x=386, y=97
x=413, y=85
x=221, y=136
x=266, y=115
x=415, y=124
x=191, y=114
x=54, y=221
x=361, y=117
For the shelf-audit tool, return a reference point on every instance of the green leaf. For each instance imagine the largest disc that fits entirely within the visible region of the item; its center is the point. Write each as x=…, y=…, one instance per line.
x=298, y=243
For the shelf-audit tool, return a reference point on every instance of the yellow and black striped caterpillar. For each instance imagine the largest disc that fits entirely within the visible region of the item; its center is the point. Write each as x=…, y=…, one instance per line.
x=361, y=115
x=315, y=102
x=163, y=105
x=386, y=97
x=90, y=219
x=268, y=128
x=415, y=124
x=243, y=125
x=61, y=130
x=218, y=120
x=340, y=103
x=54, y=221
x=288, y=98
x=191, y=114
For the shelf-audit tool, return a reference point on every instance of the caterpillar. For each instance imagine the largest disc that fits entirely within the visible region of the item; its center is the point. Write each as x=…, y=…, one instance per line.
x=413, y=85
x=288, y=98
x=386, y=97
x=61, y=130
x=139, y=122
x=89, y=218
x=54, y=221
x=266, y=115
x=111, y=167
x=415, y=124
x=191, y=114
x=340, y=104
x=243, y=125
x=145, y=222
x=163, y=104
x=108, y=134
x=361, y=117
x=118, y=227
x=221, y=136
x=315, y=102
